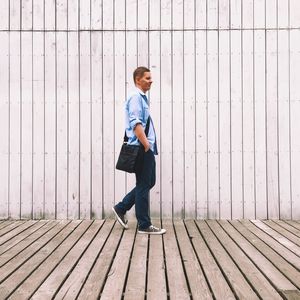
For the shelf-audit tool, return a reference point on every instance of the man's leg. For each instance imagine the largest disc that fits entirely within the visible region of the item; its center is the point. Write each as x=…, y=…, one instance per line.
x=145, y=181
x=127, y=202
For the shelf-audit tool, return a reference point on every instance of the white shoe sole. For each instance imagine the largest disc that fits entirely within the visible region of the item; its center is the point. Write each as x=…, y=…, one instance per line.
x=163, y=231
x=119, y=219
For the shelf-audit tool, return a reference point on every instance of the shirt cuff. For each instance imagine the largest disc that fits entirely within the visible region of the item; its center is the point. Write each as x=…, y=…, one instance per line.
x=134, y=122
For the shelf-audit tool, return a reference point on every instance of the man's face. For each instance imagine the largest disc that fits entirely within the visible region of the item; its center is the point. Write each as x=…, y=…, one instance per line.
x=144, y=83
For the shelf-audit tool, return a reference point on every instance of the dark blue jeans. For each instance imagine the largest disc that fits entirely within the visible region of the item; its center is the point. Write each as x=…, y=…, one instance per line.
x=145, y=180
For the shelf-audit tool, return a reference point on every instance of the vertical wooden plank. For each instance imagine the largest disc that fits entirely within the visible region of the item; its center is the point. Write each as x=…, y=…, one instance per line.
x=62, y=14
x=154, y=16
x=119, y=91
x=189, y=111
x=213, y=126
x=154, y=96
x=236, y=126
x=212, y=14
x=26, y=15
x=272, y=125
x=200, y=13
x=119, y=97
x=284, y=126
x=108, y=122
x=73, y=15
x=142, y=14
x=4, y=121
x=177, y=14
x=142, y=44
x=85, y=14
x=271, y=14
x=260, y=125
x=259, y=14
x=50, y=140
x=178, y=110
x=223, y=14
x=294, y=14
x=96, y=13
x=235, y=14
x=4, y=15
x=166, y=126
x=166, y=141
x=201, y=124
x=15, y=15
x=61, y=126
x=224, y=125
x=189, y=15
x=26, y=125
x=295, y=122
x=97, y=129
x=15, y=125
x=108, y=13
x=85, y=125
x=178, y=123
x=38, y=125
x=73, y=126
x=248, y=125
x=38, y=15
x=283, y=14
x=247, y=14
x=166, y=14
x=50, y=13
x=131, y=64
x=119, y=15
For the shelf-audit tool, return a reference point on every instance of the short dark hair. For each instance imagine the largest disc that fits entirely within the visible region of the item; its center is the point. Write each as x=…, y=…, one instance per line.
x=139, y=73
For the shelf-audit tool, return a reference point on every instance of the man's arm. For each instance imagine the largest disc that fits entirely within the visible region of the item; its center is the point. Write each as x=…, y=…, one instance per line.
x=140, y=133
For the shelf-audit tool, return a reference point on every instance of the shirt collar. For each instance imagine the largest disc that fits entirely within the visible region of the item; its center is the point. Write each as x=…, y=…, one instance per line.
x=141, y=92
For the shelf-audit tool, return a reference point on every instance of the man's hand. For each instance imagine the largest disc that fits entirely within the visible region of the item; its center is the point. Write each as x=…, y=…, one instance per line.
x=147, y=148
x=140, y=133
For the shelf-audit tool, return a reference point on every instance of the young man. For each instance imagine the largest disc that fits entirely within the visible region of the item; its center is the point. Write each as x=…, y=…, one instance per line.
x=136, y=116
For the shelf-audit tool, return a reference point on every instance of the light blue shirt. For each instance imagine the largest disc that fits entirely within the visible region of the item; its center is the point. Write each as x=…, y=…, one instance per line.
x=137, y=112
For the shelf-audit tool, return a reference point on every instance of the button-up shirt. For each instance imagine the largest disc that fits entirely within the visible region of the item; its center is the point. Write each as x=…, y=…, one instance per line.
x=137, y=112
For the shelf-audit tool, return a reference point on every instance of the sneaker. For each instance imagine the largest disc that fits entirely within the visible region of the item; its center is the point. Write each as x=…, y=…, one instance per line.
x=152, y=230
x=120, y=218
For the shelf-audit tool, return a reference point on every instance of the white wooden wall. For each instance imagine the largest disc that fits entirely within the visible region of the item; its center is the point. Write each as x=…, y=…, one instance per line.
x=225, y=101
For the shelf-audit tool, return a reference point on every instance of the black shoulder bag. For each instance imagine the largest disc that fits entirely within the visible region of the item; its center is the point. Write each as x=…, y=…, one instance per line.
x=131, y=156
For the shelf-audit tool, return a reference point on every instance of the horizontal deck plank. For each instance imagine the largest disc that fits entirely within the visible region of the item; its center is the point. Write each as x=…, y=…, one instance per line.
x=239, y=234
x=233, y=275
x=273, y=243
x=92, y=259
x=96, y=278
x=287, y=227
x=196, y=278
x=75, y=245
x=8, y=244
x=278, y=261
x=257, y=280
x=10, y=227
x=38, y=266
x=115, y=280
x=178, y=287
x=73, y=284
x=136, y=282
x=156, y=282
x=216, y=280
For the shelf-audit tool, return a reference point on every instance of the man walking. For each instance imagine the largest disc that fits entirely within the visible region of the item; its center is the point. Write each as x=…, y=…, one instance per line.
x=136, y=116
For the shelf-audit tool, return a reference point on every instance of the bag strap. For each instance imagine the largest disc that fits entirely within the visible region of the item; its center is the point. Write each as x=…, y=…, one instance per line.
x=146, y=130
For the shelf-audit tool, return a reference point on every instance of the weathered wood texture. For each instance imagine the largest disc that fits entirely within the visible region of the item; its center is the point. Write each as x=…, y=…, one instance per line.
x=193, y=260
x=225, y=102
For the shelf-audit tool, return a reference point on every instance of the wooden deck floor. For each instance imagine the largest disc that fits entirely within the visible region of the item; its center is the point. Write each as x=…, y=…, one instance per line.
x=193, y=260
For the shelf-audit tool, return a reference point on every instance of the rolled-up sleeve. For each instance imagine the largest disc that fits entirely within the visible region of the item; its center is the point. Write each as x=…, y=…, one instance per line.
x=135, y=111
